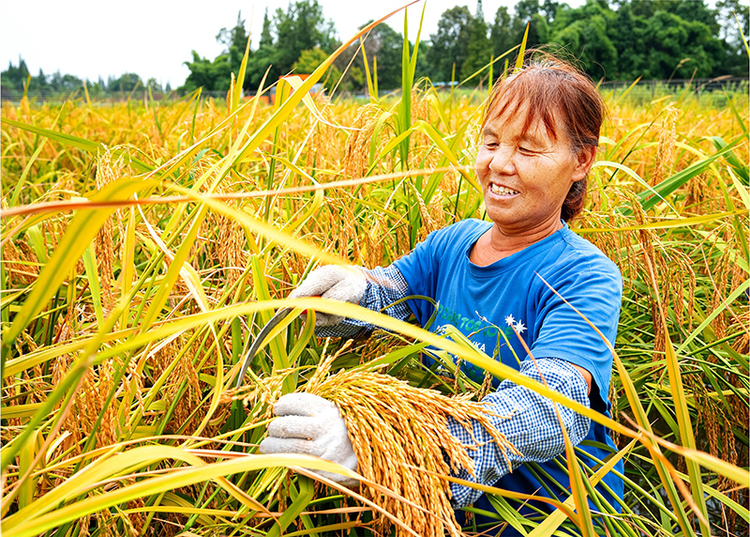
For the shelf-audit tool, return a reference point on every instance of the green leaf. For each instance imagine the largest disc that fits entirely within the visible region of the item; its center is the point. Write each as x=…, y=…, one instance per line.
x=669, y=185
x=79, y=234
x=550, y=524
x=299, y=504
x=522, y=49
x=739, y=168
x=73, y=141
x=42, y=516
x=92, y=274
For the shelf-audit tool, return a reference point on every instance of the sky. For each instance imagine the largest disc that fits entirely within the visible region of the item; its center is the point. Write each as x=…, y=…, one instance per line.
x=152, y=38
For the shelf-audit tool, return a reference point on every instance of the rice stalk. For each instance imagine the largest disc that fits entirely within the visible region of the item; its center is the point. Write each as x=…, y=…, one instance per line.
x=409, y=427
x=357, y=148
x=20, y=262
x=104, y=242
x=665, y=151
x=698, y=269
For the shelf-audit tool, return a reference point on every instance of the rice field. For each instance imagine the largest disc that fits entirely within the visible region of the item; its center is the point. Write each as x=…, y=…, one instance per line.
x=145, y=245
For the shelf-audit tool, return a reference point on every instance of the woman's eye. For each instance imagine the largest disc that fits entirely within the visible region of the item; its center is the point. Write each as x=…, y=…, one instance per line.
x=526, y=150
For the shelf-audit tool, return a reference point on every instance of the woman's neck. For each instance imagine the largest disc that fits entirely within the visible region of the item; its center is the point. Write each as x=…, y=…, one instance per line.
x=497, y=244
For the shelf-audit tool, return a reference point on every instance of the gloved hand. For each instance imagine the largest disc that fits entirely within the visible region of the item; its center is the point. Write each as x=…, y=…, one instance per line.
x=310, y=425
x=335, y=283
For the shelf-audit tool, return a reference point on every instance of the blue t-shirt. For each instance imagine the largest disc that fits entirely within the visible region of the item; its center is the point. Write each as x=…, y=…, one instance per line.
x=484, y=301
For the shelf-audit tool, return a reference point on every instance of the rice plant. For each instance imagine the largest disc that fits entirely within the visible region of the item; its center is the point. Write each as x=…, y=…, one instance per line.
x=145, y=244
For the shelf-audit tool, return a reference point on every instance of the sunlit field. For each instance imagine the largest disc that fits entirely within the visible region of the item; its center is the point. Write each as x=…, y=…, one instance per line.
x=145, y=245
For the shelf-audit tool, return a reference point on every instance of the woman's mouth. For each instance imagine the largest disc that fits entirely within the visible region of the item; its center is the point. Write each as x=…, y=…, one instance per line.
x=502, y=190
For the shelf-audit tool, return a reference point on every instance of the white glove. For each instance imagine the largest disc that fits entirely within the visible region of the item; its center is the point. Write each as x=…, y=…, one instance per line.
x=334, y=283
x=310, y=425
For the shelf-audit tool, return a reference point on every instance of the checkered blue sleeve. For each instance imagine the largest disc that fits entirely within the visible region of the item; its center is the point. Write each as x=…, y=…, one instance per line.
x=527, y=420
x=384, y=287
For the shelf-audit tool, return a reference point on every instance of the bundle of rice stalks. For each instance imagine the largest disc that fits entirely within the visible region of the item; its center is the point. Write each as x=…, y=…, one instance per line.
x=401, y=439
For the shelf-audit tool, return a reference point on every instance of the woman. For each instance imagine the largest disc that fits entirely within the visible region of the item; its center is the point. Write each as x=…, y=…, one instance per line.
x=539, y=138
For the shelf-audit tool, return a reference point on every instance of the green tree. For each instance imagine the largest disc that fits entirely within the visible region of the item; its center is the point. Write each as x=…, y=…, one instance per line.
x=530, y=12
x=585, y=33
x=627, y=35
x=39, y=82
x=679, y=48
x=424, y=68
x=210, y=75
x=538, y=31
x=64, y=82
x=301, y=27
x=647, y=39
x=153, y=85
x=732, y=16
x=525, y=9
x=125, y=83
x=687, y=10
x=216, y=74
x=450, y=43
x=15, y=77
x=264, y=59
x=234, y=41
x=309, y=60
x=502, y=33
x=266, y=38
x=549, y=8
x=727, y=10
x=385, y=44
x=479, y=50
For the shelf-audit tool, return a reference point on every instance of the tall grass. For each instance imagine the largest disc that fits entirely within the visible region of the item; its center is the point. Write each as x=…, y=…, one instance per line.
x=145, y=244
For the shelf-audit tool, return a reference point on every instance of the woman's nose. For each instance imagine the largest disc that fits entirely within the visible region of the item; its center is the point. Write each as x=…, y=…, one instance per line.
x=502, y=160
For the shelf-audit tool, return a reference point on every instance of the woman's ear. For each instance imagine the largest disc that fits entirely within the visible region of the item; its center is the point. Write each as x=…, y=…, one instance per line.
x=585, y=158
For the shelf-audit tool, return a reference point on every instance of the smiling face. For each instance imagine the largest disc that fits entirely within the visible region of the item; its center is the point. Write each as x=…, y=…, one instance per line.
x=526, y=173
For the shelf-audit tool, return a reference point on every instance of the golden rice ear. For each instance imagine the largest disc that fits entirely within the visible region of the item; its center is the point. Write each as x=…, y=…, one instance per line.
x=410, y=424
x=694, y=235
x=415, y=451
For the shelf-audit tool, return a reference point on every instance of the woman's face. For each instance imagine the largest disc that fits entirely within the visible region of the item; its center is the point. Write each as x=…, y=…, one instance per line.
x=525, y=179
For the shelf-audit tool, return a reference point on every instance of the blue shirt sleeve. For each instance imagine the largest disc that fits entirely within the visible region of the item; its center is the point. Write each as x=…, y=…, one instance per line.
x=419, y=269
x=573, y=297
x=527, y=420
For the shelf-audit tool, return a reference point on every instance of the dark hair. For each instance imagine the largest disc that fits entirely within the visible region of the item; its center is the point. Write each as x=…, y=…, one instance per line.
x=559, y=95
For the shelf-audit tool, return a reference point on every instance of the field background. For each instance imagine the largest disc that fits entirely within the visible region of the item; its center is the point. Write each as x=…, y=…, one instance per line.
x=124, y=322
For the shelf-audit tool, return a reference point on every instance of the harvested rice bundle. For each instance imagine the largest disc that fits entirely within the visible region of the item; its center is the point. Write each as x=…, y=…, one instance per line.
x=398, y=431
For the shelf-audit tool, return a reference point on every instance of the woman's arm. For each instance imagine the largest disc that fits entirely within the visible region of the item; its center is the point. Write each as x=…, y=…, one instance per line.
x=528, y=420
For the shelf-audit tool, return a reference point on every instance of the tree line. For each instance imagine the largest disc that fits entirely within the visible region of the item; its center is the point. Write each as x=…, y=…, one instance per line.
x=611, y=39
x=17, y=77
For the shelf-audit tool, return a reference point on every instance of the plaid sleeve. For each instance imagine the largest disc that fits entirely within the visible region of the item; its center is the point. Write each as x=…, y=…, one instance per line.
x=384, y=287
x=527, y=420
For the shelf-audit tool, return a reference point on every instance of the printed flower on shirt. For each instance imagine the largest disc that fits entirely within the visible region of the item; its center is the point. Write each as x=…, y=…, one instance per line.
x=518, y=326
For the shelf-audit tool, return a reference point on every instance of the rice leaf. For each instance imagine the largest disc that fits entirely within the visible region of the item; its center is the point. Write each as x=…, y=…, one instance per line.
x=78, y=236
x=550, y=524
x=92, y=273
x=40, y=517
x=741, y=289
x=672, y=183
x=73, y=141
